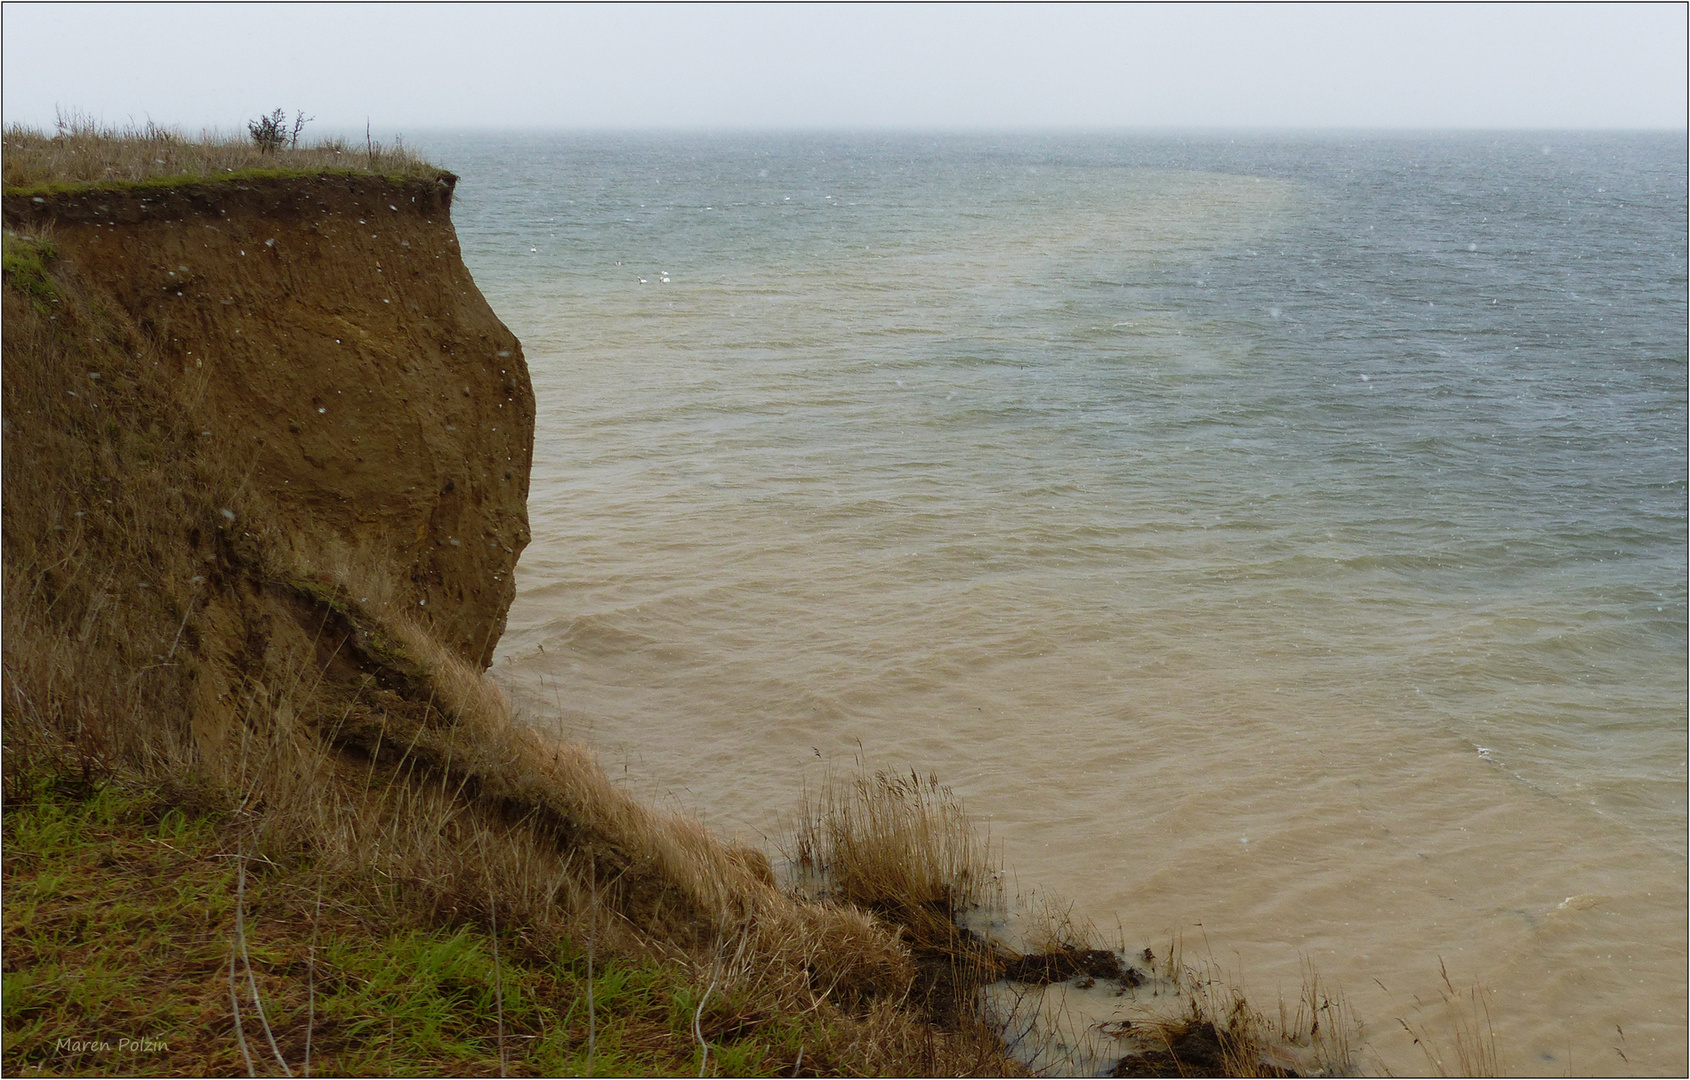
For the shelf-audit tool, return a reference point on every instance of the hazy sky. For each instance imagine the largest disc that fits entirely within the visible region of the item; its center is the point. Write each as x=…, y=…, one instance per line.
x=941, y=67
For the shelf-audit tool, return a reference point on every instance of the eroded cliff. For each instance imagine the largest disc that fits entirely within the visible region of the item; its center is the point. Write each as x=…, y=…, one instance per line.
x=266, y=460
x=329, y=346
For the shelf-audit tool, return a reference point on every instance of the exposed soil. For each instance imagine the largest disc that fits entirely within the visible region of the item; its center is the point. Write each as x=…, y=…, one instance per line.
x=328, y=339
x=1189, y=1050
x=949, y=975
x=1042, y=969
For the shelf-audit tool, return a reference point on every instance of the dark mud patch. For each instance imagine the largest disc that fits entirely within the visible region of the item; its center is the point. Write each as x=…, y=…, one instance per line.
x=948, y=978
x=1060, y=965
x=949, y=974
x=1187, y=1050
x=945, y=987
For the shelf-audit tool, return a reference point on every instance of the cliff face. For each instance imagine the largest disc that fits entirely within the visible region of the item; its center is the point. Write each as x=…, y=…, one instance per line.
x=266, y=459
x=329, y=345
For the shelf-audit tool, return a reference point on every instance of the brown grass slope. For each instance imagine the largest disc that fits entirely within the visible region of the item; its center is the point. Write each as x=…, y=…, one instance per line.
x=265, y=457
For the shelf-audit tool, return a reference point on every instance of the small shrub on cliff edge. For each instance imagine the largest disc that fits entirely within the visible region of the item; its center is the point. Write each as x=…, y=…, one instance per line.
x=269, y=133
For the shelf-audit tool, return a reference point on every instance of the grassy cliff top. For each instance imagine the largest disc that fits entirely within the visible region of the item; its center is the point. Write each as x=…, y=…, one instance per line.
x=84, y=154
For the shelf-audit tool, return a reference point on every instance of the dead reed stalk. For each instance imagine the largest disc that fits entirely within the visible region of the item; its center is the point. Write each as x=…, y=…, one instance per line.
x=1472, y=1049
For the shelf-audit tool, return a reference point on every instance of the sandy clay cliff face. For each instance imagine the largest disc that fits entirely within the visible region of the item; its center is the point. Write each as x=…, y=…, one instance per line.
x=333, y=347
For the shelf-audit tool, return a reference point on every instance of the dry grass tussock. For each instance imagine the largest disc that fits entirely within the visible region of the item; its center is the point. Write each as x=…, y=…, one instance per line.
x=899, y=845
x=83, y=151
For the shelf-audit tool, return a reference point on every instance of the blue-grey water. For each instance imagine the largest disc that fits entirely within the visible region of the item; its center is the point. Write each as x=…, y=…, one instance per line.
x=1278, y=540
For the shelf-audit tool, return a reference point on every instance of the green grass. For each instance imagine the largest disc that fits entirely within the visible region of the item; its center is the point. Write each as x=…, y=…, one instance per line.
x=120, y=919
x=186, y=178
x=24, y=260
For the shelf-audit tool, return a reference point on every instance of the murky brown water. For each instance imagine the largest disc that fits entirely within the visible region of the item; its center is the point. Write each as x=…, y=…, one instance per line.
x=1251, y=574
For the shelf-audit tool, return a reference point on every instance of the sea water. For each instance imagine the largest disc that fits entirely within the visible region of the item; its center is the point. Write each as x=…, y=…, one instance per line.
x=1278, y=542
